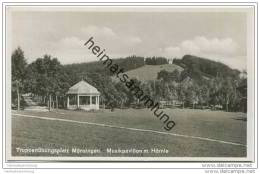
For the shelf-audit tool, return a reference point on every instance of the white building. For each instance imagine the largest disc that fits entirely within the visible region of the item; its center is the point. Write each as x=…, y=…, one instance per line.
x=83, y=96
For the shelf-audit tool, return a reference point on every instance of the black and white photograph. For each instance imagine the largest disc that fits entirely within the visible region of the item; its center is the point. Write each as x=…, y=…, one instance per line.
x=129, y=83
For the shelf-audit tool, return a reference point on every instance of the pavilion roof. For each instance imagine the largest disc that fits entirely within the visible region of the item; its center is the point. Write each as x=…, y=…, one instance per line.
x=83, y=87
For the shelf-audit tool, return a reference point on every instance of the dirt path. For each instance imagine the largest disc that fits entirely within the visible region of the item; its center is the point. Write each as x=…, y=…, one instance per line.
x=33, y=106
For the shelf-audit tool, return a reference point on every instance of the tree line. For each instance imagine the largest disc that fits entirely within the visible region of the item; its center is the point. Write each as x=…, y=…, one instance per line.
x=223, y=92
x=48, y=81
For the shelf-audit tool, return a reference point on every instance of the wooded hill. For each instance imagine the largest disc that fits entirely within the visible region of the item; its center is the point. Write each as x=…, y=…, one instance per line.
x=192, y=80
x=198, y=67
x=147, y=69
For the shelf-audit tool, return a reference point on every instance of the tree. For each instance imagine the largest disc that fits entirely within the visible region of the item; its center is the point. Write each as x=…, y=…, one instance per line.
x=18, y=74
x=192, y=94
x=228, y=92
x=204, y=94
x=47, y=78
x=163, y=75
x=168, y=76
x=156, y=61
x=173, y=87
x=181, y=93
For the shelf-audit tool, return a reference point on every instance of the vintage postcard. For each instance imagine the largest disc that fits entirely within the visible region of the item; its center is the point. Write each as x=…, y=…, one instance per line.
x=130, y=83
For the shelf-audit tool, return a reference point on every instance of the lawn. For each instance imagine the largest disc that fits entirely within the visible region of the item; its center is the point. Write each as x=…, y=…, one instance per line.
x=219, y=125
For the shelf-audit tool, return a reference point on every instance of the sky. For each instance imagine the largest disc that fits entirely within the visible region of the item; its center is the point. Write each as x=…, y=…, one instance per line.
x=219, y=36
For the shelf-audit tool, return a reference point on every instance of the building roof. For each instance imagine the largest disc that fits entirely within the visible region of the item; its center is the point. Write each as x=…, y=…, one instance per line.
x=83, y=87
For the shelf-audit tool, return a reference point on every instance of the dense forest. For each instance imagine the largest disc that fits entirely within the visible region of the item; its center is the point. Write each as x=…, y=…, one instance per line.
x=202, y=84
x=198, y=68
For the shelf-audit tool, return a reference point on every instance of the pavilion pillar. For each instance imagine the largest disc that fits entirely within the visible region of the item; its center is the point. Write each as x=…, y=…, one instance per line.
x=97, y=102
x=68, y=101
x=78, y=101
x=90, y=100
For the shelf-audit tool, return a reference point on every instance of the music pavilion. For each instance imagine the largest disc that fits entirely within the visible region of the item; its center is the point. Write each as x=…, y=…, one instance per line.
x=83, y=96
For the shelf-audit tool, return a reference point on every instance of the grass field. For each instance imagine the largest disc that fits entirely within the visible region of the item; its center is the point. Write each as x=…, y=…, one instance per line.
x=150, y=72
x=226, y=127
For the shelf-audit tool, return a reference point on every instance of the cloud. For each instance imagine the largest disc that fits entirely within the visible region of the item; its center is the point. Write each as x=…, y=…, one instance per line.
x=95, y=31
x=225, y=46
x=189, y=46
x=70, y=42
x=134, y=40
x=106, y=36
x=225, y=50
x=172, y=51
x=103, y=36
x=203, y=46
x=71, y=49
